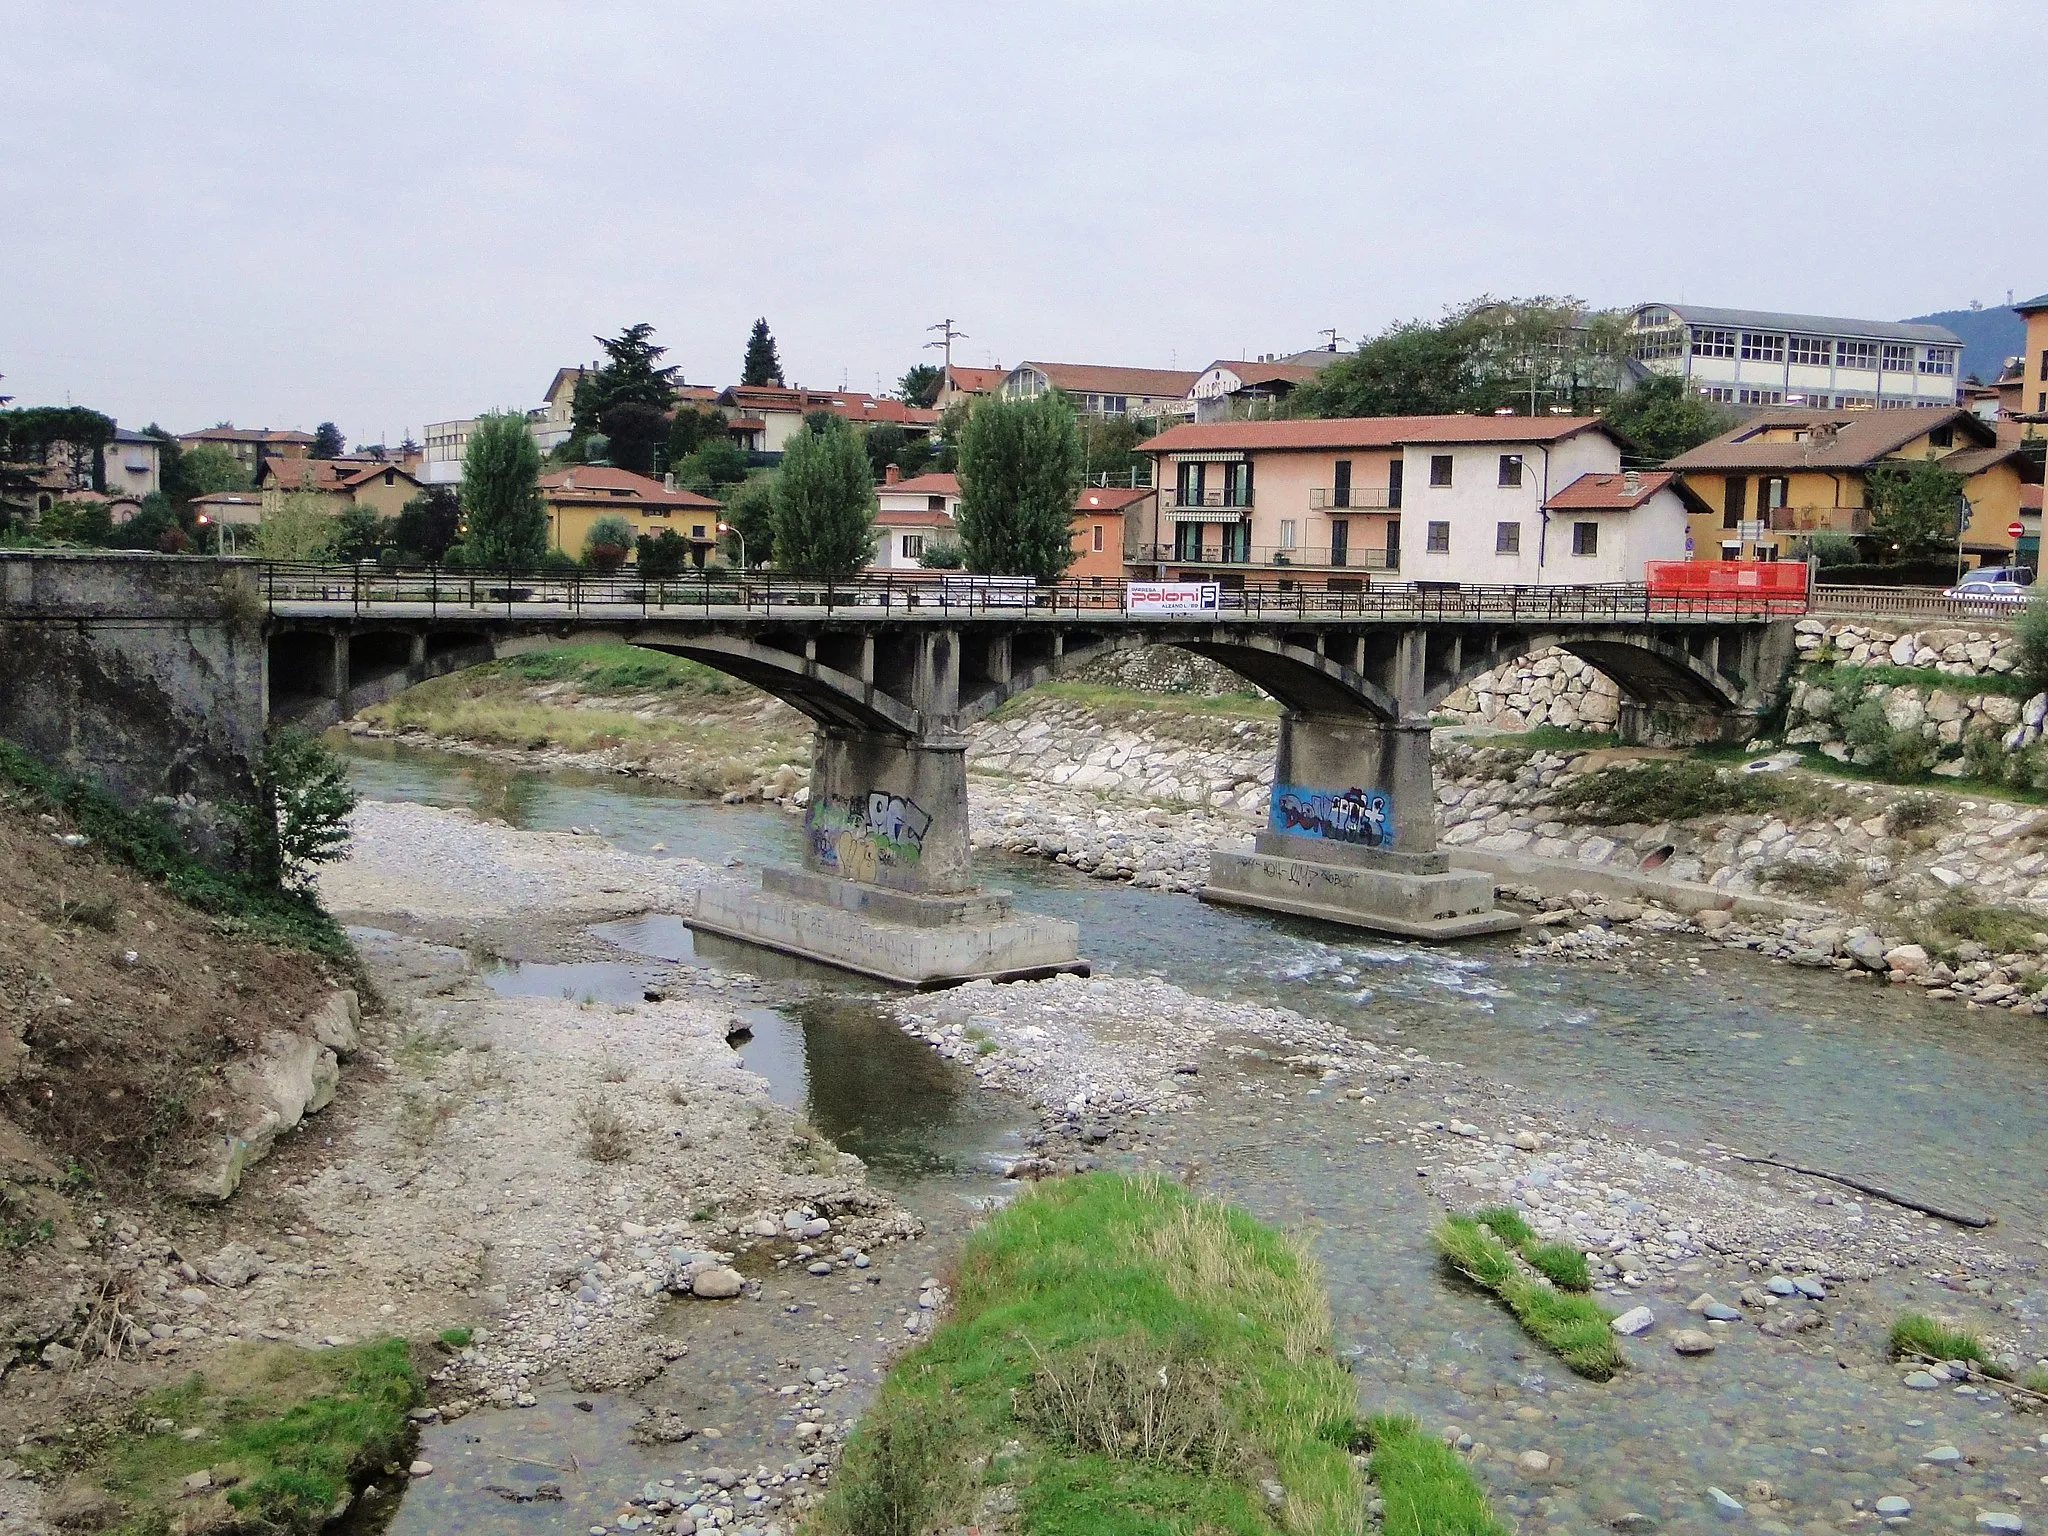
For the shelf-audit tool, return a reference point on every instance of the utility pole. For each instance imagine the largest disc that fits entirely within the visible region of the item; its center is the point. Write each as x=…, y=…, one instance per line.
x=947, y=336
x=1331, y=332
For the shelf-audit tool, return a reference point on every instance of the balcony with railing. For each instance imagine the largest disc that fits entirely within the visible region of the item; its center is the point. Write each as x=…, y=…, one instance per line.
x=1269, y=557
x=1353, y=498
x=1222, y=501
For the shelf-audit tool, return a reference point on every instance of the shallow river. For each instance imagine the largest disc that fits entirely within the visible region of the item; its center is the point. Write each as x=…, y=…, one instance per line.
x=1947, y=1102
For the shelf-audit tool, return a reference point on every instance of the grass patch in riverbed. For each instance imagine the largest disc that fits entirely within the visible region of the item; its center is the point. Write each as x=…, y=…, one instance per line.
x=1153, y=1357
x=1573, y=1325
x=1425, y=1486
x=1682, y=790
x=1959, y=919
x=1559, y=1263
x=1916, y=1335
x=287, y=1430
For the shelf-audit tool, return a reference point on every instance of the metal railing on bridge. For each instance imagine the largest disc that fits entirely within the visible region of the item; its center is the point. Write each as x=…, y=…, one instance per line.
x=438, y=591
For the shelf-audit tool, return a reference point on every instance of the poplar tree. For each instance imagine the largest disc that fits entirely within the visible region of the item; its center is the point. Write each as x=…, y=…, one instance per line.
x=824, y=508
x=507, y=526
x=1020, y=470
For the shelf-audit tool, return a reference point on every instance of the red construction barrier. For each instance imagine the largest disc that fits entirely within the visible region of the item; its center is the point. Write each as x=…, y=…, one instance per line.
x=1777, y=579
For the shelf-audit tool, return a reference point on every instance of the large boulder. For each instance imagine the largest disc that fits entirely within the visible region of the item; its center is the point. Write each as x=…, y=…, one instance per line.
x=337, y=1023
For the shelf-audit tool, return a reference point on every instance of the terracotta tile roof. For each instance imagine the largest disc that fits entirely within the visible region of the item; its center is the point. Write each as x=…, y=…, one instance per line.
x=912, y=517
x=1109, y=498
x=244, y=435
x=1369, y=432
x=1611, y=493
x=976, y=381
x=847, y=403
x=1835, y=440
x=326, y=474
x=1102, y=379
x=1971, y=461
x=602, y=485
x=933, y=484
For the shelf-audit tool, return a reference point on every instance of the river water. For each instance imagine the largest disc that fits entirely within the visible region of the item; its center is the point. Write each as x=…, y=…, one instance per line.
x=1947, y=1102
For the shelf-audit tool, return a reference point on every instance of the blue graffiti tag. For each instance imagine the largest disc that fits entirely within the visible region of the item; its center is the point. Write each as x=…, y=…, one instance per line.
x=1362, y=816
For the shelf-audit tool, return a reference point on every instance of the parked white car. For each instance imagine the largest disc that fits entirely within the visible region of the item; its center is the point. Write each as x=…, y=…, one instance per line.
x=2003, y=592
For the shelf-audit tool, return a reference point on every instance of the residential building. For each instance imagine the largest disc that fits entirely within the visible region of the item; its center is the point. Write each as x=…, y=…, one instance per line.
x=1431, y=499
x=131, y=463
x=446, y=446
x=966, y=383
x=2033, y=371
x=1098, y=390
x=576, y=497
x=550, y=421
x=1758, y=358
x=911, y=515
x=1783, y=476
x=764, y=417
x=252, y=445
x=383, y=488
x=1102, y=516
x=1226, y=389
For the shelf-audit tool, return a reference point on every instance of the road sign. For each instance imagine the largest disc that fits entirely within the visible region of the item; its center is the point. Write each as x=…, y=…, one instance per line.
x=2014, y=529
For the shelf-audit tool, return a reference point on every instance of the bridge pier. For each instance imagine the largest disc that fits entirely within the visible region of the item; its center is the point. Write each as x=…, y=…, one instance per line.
x=1351, y=837
x=887, y=888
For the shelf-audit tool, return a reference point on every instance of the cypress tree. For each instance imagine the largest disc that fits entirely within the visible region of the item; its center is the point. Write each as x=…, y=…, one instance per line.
x=1020, y=470
x=762, y=364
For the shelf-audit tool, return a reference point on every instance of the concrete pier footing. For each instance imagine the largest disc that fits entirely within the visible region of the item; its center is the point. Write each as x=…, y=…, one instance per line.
x=1414, y=896
x=901, y=937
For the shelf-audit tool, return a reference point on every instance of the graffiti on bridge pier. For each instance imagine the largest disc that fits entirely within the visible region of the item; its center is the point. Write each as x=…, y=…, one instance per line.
x=1361, y=816
x=865, y=834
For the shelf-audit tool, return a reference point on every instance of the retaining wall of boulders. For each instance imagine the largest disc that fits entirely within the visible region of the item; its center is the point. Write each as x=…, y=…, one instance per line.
x=1550, y=687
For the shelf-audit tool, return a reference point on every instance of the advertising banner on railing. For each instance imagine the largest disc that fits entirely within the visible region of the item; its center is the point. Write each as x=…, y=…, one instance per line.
x=1173, y=596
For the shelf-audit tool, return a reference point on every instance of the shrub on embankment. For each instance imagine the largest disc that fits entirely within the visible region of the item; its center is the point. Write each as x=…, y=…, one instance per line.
x=1126, y=1358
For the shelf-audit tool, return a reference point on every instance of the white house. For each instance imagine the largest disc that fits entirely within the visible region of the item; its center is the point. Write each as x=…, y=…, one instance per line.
x=132, y=463
x=912, y=514
x=1532, y=502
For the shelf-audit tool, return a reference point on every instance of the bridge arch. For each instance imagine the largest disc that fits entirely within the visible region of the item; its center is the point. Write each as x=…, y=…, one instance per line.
x=1302, y=679
x=1648, y=668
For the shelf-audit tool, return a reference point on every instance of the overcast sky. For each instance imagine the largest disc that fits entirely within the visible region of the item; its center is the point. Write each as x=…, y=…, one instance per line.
x=389, y=214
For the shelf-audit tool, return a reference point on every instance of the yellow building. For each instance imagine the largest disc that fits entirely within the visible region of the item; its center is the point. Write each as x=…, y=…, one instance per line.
x=2033, y=402
x=1784, y=476
x=578, y=496
x=381, y=487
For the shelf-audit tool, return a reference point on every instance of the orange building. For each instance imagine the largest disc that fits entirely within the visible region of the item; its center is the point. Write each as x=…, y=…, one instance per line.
x=1101, y=513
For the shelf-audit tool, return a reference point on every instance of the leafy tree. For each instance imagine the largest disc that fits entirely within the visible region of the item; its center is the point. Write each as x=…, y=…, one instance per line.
x=920, y=386
x=946, y=441
x=146, y=529
x=820, y=420
x=1913, y=505
x=359, y=533
x=69, y=437
x=328, y=442
x=303, y=804
x=1020, y=469
x=1664, y=416
x=86, y=523
x=690, y=429
x=915, y=457
x=297, y=526
x=208, y=470
x=428, y=524
x=632, y=372
x=1413, y=369
x=663, y=556
x=763, y=363
x=884, y=442
x=607, y=544
x=941, y=556
x=711, y=464
x=824, y=514
x=1109, y=445
x=750, y=507
x=508, y=527
x=635, y=432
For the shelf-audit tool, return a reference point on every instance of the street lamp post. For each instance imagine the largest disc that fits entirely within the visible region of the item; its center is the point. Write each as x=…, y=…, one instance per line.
x=728, y=528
